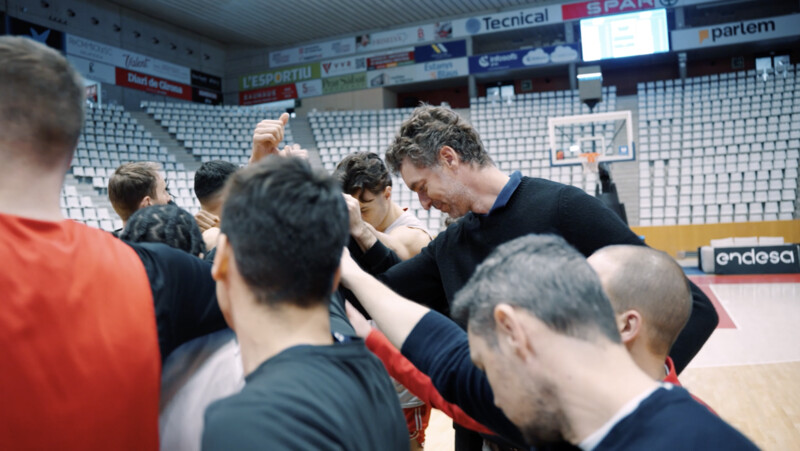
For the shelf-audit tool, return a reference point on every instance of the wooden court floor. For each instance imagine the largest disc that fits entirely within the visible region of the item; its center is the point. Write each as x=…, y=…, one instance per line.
x=749, y=373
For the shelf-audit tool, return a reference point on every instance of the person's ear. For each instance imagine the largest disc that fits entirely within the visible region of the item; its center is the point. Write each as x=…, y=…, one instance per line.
x=510, y=331
x=221, y=265
x=387, y=192
x=448, y=157
x=629, y=323
x=146, y=202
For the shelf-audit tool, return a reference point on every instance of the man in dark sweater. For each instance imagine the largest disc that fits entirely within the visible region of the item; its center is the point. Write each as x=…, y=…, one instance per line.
x=304, y=387
x=441, y=158
x=547, y=363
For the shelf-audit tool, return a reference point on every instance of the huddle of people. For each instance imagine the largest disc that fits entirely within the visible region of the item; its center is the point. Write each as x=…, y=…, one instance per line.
x=537, y=319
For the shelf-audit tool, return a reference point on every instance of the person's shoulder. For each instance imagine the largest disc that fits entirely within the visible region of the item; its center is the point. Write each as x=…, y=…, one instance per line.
x=236, y=422
x=671, y=417
x=539, y=186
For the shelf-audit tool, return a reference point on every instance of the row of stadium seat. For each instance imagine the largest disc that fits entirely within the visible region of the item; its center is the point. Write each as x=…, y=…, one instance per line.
x=731, y=160
x=211, y=133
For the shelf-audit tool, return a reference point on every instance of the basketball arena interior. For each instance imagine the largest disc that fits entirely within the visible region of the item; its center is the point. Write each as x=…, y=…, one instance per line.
x=681, y=116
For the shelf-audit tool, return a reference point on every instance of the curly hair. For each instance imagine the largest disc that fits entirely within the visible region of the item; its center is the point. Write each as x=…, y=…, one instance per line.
x=428, y=130
x=166, y=224
x=362, y=171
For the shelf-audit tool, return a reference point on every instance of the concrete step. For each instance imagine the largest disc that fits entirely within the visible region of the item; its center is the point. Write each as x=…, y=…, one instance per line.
x=173, y=146
x=302, y=135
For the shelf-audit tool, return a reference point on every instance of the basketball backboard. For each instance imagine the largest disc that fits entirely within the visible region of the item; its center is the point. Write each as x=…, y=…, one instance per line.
x=610, y=135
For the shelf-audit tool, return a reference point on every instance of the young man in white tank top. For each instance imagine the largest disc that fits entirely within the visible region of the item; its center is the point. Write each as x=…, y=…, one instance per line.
x=368, y=191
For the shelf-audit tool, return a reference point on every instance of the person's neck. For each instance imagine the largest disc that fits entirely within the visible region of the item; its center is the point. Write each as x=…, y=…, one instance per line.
x=485, y=184
x=394, y=212
x=263, y=332
x=651, y=363
x=30, y=192
x=213, y=206
x=591, y=398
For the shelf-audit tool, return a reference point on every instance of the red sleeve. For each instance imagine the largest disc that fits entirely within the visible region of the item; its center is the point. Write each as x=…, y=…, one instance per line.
x=402, y=370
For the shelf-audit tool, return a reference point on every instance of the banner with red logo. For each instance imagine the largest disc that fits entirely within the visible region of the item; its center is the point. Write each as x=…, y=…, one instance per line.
x=343, y=66
x=154, y=85
x=593, y=8
x=265, y=95
x=390, y=60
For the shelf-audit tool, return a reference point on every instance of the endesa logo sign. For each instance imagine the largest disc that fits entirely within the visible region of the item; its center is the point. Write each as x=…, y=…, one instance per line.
x=757, y=260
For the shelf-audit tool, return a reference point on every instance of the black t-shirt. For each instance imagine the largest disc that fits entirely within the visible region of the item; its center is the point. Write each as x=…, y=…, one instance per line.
x=335, y=397
x=185, y=297
x=184, y=294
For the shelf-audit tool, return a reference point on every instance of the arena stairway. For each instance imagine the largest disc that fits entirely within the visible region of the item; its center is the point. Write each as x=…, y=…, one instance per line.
x=173, y=147
x=301, y=130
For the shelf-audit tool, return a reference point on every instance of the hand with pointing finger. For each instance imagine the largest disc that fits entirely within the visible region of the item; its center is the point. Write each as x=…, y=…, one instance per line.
x=266, y=137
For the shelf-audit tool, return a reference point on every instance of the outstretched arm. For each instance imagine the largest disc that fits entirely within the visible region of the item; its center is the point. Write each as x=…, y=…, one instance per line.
x=404, y=372
x=434, y=344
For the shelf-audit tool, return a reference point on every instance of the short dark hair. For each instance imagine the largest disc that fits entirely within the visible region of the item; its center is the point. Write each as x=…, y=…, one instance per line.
x=166, y=224
x=287, y=225
x=428, y=130
x=129, y=184
x=546, y=277
x=210, y=178
x=363, y=171
x=41, y=101
x=652, y=283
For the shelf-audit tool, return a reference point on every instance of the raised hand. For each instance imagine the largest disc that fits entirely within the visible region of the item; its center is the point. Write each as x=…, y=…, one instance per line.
x=266, y=137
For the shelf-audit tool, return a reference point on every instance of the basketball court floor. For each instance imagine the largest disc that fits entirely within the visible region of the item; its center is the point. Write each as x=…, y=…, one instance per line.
x=748, y=371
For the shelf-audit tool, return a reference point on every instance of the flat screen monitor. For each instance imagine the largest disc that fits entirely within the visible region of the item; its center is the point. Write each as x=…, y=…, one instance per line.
x=623, y=35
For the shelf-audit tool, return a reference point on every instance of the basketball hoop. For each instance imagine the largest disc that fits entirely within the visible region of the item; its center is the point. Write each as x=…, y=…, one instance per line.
x=589, y=162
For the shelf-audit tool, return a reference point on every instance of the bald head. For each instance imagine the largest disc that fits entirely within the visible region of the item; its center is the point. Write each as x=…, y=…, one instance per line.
x=650, y=282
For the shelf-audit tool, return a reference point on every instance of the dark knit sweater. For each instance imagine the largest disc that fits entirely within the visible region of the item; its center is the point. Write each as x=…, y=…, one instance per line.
x=537, y=206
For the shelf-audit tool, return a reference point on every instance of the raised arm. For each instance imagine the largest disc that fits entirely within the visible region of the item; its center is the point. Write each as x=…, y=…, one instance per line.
x=434, y=344
x=404, y=372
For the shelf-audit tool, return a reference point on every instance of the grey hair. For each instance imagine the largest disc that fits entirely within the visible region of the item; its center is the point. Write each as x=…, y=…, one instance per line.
x=430, y=128
x=546, y=277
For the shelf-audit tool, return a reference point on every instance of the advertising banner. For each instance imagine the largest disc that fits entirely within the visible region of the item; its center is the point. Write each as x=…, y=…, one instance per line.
x=440, y=51
x=279, y=77
x=517, y=59
x=93, y=70
x=343, y=66
x=395, y=38
x=390, y=60
x=757, y=260
x=344, y=83
x=265, y=95
x=437, y=70
x=389, y=77
x=312, y=52
x=113, y=56
x=155, y=85
x=736, y=32
x=594, y=8
x=512, y=20
x=311, y=88
x=204, y=80
x=202, y=95
x=38, y=33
